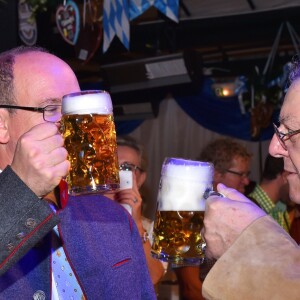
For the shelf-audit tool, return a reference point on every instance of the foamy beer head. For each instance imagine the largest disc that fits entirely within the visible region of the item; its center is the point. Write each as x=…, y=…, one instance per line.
x=179, y=218
x=183, y=184
x=90, y=139
x=87, y=102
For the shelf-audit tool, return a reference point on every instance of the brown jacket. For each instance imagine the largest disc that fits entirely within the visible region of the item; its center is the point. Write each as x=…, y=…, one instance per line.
x=263, y=263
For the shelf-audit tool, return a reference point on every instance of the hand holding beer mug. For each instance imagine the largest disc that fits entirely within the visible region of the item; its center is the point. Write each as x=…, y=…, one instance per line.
x=184, y=186
x=90, y=139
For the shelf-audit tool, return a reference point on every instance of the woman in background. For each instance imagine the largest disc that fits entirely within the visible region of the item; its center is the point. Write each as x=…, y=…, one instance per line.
x=132, y=158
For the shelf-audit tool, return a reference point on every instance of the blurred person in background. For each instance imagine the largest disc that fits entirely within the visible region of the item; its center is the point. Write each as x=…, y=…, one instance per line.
x=132, y=157
x=294, y=214
x=273, y=190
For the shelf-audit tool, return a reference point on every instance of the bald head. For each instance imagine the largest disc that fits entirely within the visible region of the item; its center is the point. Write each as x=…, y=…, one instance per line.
x=33, y=78
x=42, y=76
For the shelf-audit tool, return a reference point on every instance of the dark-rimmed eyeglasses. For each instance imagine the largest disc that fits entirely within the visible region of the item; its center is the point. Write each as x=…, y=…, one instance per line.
x=130, y=167
x=282, y=137
x=242, y=175
x=51, y=113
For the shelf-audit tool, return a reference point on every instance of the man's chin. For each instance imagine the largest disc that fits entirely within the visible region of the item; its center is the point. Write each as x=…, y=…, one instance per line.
x=294, y=187
x=295, y=196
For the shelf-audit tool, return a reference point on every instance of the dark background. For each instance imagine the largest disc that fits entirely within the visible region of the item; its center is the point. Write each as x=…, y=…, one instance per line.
x=235, y=43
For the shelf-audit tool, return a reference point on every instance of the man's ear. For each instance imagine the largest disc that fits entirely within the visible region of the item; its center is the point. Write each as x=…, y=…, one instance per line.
x=4, y=134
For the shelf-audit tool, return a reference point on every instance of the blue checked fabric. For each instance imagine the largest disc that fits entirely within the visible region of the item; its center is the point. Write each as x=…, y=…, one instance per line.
x=137, y=7
x=168, y=7
x=115, y=22
x=117, y=13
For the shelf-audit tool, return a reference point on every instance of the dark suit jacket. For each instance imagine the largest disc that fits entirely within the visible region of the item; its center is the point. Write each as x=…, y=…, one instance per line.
x=98, y=235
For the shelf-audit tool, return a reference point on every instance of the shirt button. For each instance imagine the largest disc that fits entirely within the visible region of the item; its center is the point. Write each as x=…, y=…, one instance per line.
x=39, y=295
x=20, y=235
x=10, y=247
x=30, y=223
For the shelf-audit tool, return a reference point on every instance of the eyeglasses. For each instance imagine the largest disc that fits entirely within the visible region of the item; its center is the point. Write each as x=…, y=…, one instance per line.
x=51, y=113
x=242, y=175
x=282, y=137
x=129, y=167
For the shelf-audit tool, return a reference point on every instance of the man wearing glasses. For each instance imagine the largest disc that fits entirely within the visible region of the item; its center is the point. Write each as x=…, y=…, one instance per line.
x=95, y=252
x=256, y=258
x=131, y=157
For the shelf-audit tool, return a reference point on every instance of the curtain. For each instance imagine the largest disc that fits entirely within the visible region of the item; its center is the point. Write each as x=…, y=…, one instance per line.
x=222, y=115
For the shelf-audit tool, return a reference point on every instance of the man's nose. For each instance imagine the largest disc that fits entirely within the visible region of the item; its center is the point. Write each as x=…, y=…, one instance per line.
x=275, y=148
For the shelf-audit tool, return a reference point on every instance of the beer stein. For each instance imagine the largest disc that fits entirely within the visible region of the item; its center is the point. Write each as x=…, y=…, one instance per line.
x=184, y=186
x=90, y=138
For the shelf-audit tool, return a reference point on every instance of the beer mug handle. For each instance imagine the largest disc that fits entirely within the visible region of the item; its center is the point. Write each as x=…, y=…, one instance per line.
x=209, y=193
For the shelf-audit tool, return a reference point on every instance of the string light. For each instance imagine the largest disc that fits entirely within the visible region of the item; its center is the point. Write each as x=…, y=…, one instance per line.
x=229, y=87
x=224, y=89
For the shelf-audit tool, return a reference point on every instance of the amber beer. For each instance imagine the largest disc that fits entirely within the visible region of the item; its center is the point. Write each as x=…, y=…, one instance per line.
x=184, y=185
x=90, y=139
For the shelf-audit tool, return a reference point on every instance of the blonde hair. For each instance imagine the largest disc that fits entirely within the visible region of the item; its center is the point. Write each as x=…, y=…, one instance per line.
x=133, y=144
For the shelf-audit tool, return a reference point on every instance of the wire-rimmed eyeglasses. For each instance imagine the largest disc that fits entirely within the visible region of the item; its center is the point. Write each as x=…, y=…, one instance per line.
x=242, y=175
x=51, y=113
x=282, y=137
x=129, y=167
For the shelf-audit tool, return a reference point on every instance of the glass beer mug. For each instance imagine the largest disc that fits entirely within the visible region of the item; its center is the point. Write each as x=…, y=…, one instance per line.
x=184, y=186
x=90, y=139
